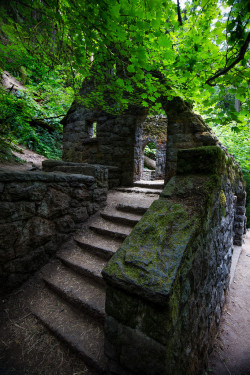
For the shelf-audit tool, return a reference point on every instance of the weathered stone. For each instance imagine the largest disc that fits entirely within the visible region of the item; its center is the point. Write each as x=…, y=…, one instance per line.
x=55, y=203
x=167, y=281
x=65, y=224
x=24, y=191
x=10, y=211
x=39, y=211
x=36, y=232
x=1, y=187
x=79, y=214
x=8, y=236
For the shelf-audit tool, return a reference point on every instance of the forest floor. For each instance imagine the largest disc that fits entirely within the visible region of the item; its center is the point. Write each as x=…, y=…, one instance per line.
x=30, y=160
x=27, y=348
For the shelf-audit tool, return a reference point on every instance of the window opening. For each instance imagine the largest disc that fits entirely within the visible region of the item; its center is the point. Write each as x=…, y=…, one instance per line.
x=92, y=130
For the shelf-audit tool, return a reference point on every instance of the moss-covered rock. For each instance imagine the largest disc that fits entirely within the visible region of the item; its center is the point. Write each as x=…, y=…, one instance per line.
x=149, y=258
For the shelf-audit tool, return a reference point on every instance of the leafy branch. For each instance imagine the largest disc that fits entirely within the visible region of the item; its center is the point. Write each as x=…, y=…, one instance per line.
x=223, y=71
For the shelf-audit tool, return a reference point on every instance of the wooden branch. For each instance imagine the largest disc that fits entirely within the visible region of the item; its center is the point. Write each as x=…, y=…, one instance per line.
x=48, y=118
x=223, y=71
x=179, y=12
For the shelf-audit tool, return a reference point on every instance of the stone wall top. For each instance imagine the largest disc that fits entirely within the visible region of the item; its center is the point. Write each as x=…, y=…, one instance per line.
x=206, y=159
x=45, y=177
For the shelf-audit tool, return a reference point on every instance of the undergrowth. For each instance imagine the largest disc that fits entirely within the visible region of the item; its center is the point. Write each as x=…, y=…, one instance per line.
x=31, y=117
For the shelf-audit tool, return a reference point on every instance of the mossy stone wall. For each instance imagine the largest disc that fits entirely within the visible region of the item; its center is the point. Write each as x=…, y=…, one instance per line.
x=166, y=285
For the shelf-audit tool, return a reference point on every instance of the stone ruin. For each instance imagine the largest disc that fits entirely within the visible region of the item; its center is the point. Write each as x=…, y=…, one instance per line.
x=166, y=284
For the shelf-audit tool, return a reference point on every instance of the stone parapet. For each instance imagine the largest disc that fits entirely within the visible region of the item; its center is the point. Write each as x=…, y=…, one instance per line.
x=38, y=211
x=166, y=285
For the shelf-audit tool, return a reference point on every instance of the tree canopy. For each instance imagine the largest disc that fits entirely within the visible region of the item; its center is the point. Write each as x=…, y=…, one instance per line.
x=138, y=50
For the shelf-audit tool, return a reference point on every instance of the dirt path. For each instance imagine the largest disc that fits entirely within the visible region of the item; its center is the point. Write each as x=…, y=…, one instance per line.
x=31, y=160
x=231, y=355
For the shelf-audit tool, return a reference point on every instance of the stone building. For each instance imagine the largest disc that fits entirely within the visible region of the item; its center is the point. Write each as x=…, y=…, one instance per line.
x=166, y=283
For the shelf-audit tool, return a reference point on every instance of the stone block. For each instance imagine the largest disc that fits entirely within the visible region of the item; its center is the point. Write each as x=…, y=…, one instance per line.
x=54, y=204
x=100, y=195
x=208, y=159
x=206, y=138
x=10, y=211
x=17, y=191
x=65, y=224
x=1, y=188
x=79, y=214
x=9, y=233
x=36, y=232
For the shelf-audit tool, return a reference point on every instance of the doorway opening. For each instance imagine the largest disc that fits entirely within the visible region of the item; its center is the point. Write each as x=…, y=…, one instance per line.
x=150, y=152
x=148, y=160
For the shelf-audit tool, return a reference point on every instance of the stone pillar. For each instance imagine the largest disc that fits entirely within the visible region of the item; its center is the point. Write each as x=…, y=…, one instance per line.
x=185, y=130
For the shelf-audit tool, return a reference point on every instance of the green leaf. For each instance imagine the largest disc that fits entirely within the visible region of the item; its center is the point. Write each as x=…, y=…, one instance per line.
x=131, y=68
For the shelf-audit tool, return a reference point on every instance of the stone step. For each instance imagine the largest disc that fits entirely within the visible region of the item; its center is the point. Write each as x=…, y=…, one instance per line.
x=150, y=184
x=84, y=293
x=80, y=331
x=82, y=262
x=125, y=218
x=112, y=230
x=139, y=190
x=132, y=208
x=98, y=244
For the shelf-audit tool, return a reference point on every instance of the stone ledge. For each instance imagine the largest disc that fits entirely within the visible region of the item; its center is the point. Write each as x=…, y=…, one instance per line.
x=148, y=260
x=44, y=177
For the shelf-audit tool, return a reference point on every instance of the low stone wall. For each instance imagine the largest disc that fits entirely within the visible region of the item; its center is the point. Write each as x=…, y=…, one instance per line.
x=100, y=172
x=166, y=285
x=148, y=175
x=38, y=211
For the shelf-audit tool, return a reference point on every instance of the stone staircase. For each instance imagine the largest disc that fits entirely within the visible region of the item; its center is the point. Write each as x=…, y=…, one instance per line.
x=72, y=301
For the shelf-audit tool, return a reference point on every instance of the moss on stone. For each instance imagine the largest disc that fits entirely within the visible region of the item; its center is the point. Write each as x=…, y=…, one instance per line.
x=148, y=260
x=222, y=198
x=206, y=159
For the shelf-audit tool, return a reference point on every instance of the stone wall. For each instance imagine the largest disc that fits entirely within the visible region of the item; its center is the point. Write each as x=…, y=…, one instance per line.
x=117, y=141
x=186, y=130
x=99, y=172
x=38, y=211
x=167, y=283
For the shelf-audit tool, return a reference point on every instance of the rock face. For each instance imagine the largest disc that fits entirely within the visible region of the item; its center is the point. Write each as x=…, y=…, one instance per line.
x=166, y=284
x=38, y=211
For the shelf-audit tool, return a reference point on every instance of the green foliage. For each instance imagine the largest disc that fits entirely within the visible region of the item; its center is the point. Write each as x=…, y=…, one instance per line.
x=238, y=144
x=18, y=120
x=131, y=51
x=140, y=49
x=150, y=150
